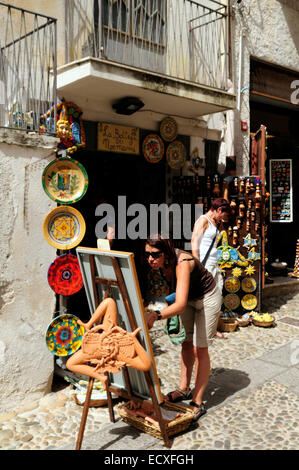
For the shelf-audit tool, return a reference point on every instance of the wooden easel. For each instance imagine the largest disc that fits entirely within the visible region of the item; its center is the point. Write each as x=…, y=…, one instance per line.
x=127, y=392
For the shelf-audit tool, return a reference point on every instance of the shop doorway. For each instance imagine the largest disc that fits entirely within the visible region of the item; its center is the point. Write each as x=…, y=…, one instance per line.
x=282, y=144
x=112, y=175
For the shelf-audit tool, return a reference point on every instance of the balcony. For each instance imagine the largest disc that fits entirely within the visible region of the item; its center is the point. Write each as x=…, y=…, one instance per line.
x=173, y=55
x=27, y=70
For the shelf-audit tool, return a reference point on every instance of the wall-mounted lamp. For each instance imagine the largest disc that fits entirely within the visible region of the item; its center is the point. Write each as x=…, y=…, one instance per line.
x=128, y=105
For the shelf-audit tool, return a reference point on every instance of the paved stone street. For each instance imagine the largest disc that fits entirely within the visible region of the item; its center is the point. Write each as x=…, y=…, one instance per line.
x=252, y=396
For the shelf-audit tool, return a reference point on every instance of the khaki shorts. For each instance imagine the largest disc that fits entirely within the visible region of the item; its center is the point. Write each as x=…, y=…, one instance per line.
x=216, y=273
x=200, y=318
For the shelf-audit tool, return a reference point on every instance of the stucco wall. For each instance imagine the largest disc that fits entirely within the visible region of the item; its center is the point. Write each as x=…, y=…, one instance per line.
x=26, y=301
x=271, y=34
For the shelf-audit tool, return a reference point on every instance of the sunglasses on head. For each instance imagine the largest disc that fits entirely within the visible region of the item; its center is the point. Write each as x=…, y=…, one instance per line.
x=153, y=254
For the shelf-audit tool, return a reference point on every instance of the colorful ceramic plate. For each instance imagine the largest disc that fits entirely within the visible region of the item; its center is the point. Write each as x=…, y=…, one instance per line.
x=168, y=129
x=249, y=302
x=64, y=227
x=232, y=284
x=64, y=335
x=176, y=155
x=231, y=302
x=248, y=284
x=153, y=148
x=65, y=180
x=64, y=275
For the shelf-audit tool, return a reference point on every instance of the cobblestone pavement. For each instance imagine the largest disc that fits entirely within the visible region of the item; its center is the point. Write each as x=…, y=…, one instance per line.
x=252, y=396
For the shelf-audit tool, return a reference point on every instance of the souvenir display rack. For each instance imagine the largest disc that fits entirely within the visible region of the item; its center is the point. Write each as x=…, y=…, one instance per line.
x=295, y=272
x=241, y=245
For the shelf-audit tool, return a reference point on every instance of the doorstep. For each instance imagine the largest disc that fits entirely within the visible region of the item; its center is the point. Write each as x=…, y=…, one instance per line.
x=280, y=285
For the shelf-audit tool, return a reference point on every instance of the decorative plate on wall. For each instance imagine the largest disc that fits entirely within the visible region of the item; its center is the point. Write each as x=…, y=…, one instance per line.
x=168, y=129
x=153, y=148
x=64, y=335
x=64, y=275
x=65, y=180
x=248, y=284
x=64, y=227
x=176, y=155
x=231, y=302
x=232, y=284
x=249, y=302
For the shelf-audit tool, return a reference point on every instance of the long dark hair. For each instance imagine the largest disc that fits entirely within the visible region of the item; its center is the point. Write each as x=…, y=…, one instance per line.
x=165, y=245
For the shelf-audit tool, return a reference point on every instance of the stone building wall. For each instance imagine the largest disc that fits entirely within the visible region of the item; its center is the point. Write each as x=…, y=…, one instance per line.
x=270, y=34
x=27, y=303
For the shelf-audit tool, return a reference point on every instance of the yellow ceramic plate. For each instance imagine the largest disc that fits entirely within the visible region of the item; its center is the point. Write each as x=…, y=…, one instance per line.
x=232, y=284
x=248, y=284
x=64, y=335
x=64, y=227
x=168, y=129
x=249, y=302
x=176, y=155
x=65, y=180
x=231, y=302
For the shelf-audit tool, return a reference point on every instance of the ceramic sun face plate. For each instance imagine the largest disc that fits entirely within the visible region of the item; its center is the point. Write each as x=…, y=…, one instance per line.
x=65, y=180
x=64, y=227
x=231, y=302
x=249, y=302
x=176, y=155
x=168, y=129
x=64, y=275
x=232, y=284
x=248, y=284
x=64, y=335
x=153, y=148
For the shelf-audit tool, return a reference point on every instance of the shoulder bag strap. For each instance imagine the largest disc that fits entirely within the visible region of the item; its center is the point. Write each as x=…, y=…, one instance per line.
x=203, y=262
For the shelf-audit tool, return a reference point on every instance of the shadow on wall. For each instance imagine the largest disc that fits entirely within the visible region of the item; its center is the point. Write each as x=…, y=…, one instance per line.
x=291, y=15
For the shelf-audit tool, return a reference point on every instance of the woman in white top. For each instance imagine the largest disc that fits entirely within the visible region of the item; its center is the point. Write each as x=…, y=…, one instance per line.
x=205, y=233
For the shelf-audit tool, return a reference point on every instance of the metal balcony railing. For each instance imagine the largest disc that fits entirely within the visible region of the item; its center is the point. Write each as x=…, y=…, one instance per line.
x=27, y=70
x=185, y=39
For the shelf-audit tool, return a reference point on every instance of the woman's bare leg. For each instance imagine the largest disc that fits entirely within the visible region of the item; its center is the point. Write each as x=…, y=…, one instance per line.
x=202, y=373
x=187, y=362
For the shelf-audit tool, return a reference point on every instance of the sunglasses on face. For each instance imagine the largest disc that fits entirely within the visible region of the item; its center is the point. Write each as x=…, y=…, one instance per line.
x=153, y=254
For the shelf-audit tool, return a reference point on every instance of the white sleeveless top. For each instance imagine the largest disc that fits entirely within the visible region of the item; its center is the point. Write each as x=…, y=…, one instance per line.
x=205, y=242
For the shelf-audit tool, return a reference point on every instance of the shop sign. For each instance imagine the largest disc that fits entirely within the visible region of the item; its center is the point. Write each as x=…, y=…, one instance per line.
x=118, y=139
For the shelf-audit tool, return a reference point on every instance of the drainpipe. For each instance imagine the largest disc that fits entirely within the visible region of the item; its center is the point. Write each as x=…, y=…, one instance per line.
x=240, y=70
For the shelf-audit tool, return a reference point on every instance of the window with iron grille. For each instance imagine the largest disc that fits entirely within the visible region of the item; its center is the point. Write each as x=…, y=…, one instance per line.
x=139, y=19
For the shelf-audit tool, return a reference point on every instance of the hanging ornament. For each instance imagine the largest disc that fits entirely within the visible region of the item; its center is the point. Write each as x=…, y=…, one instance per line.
x=236, y=185
x=242, y=185
x=237, y=272
x=249, y=242
x=233, y=207
x=235, y=236
x=216, y=189
x=250, y=270
x=257, y=189
x=247, y=186
x=242, y=209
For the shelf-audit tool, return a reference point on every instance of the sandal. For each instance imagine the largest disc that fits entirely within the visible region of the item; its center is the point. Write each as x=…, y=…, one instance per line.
x=181, y=395
x=200, y=410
